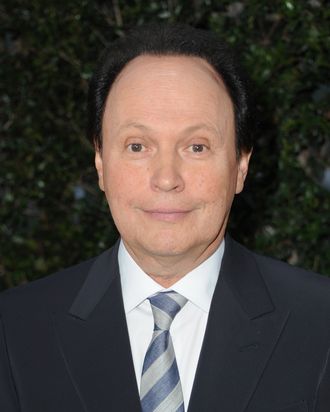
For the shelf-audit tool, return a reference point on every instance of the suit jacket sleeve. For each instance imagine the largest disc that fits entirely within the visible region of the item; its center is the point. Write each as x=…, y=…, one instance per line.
x=323, y=396
x=8, y=397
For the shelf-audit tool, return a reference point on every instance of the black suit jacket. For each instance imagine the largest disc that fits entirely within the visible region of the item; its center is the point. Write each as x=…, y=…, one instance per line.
x=64, y=343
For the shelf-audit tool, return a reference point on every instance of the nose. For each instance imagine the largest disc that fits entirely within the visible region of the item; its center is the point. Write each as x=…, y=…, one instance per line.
x=166, y=174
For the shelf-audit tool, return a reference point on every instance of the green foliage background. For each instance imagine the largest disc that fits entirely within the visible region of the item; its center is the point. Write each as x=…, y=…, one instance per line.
x=52, y=213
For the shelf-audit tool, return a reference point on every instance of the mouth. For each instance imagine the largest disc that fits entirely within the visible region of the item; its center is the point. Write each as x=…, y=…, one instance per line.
x=167, y=215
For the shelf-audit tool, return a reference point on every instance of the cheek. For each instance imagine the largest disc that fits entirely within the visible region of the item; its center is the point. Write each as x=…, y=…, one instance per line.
x=215, y=186
x=123, y=183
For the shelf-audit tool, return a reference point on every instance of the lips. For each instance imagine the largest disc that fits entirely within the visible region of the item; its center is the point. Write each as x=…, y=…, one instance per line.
x=167, y=215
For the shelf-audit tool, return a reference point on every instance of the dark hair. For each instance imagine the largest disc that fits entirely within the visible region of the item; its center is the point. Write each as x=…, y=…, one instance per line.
x=170, y=39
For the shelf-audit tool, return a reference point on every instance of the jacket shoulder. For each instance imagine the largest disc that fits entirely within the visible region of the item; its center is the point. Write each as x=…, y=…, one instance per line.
x=54, y=290
x=299, y=287
x=287, y=285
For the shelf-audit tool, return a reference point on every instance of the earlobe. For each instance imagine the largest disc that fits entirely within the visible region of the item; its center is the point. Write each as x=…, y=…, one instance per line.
x=99, y=168
x=243, y=167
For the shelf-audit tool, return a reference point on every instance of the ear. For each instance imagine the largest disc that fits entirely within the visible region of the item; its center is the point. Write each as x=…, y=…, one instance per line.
x=243, y=167
x=99, y=167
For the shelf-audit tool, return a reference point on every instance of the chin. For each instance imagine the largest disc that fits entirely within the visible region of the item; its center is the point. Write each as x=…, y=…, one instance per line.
x=164, y=247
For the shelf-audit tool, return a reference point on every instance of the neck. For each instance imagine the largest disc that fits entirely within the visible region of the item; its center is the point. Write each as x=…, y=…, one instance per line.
x=167, y=270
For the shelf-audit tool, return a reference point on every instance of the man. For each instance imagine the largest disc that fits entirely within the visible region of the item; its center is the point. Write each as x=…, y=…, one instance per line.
x=176, y=316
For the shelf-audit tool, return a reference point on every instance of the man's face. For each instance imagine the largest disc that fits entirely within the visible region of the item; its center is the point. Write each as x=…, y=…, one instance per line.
x=168, y=165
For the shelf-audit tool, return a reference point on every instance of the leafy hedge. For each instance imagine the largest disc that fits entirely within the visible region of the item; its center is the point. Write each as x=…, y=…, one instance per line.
x=52, y=213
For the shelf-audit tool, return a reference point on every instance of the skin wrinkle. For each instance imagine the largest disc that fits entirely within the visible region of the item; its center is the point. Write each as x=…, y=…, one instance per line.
x=170, y=204
x=191, y=129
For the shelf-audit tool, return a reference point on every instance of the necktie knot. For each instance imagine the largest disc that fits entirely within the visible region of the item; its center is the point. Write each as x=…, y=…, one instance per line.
x=165, y=306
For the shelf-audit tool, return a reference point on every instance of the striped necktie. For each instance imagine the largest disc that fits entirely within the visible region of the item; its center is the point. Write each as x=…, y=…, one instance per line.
x=160, y=383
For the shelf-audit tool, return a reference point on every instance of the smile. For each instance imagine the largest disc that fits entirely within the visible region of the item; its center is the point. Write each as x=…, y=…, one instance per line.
x=167, y=215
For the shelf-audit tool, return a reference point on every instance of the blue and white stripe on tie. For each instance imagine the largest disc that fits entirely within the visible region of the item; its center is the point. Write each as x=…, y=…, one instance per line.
x=160, y=383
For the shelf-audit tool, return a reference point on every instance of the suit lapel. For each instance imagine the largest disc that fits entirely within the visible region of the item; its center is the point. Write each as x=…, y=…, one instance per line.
x=94, y=342
x=242, y=331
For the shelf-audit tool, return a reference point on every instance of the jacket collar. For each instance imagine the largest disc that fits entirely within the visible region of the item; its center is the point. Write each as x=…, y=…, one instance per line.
x=241, y=273
x=238, y=270
x=100, y=277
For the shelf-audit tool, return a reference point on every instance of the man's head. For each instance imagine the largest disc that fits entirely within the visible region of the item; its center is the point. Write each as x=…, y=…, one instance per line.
x=176, y=40
x=168, y=160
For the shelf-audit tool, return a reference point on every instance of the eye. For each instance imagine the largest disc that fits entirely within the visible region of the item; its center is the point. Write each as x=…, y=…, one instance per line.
x=135, y=147
x=198, y=148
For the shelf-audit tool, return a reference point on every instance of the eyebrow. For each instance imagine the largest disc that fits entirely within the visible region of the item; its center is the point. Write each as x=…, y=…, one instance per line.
x=202, y=126
x=135, y=125
x=189, y=129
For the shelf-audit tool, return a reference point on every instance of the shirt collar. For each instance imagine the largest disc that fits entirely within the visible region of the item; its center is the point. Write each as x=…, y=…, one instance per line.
x=197, y=286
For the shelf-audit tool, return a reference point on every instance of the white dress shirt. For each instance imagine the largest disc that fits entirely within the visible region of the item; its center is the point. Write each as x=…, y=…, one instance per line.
x=188, y=327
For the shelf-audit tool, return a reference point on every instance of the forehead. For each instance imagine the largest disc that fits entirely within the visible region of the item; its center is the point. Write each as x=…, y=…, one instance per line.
x=169, y=64
x=167, y=70
x=168, y=88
